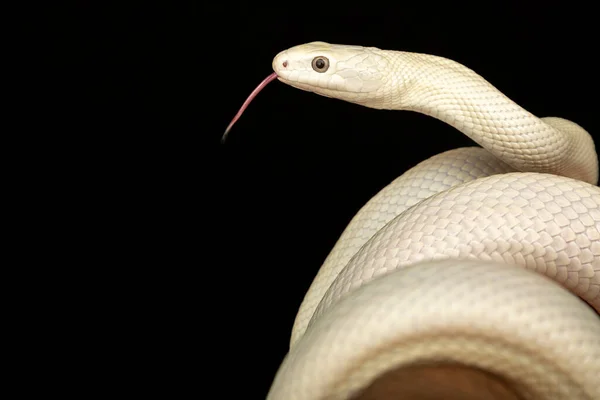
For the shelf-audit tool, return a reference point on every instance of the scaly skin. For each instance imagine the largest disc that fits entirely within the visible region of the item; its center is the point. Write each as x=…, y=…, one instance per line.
x=446, y=90
x=477, y=256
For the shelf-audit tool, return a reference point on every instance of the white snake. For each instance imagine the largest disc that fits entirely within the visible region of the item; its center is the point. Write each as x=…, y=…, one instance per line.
x=450, y=262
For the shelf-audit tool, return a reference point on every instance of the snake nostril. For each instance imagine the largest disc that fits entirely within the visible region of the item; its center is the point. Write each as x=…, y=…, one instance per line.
x=285, y=64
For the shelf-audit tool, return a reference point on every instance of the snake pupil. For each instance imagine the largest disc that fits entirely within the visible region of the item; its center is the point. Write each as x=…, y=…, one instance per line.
x=320, y=63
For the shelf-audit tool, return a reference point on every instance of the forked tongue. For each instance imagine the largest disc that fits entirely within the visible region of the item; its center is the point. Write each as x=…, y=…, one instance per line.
x=247, y=102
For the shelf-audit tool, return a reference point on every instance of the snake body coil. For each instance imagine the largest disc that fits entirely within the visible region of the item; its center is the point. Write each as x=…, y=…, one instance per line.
x=482, y=256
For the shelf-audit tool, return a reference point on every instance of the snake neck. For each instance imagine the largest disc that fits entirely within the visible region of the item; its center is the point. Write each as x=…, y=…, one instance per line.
x=449, y=91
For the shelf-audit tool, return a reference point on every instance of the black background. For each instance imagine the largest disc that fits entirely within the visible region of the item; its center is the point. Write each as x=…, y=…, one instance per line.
x=243, y=227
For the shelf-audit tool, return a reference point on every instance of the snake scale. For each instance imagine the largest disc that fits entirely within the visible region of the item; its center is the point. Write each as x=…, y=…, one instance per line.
x=484, y=256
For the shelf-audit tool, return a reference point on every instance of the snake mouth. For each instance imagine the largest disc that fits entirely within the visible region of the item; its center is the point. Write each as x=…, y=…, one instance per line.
x=311, y=88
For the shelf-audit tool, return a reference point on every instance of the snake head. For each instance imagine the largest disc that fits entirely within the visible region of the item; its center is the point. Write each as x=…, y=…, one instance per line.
x=350, y=73
x=332, y=70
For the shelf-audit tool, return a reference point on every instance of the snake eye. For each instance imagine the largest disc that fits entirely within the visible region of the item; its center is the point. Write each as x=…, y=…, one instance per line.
x=320, y=64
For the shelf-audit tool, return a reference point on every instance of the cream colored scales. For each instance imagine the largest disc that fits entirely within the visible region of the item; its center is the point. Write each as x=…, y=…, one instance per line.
x=478, y=256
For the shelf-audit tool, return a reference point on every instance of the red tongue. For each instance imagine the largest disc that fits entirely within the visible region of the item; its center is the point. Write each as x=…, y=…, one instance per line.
x=247, y=102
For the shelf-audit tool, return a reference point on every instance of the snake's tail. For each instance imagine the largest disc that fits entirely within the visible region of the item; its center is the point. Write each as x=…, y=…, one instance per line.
x=260, y=87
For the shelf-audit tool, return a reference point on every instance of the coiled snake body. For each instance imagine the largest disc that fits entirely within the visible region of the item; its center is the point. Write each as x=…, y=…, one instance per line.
x=481, y=256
